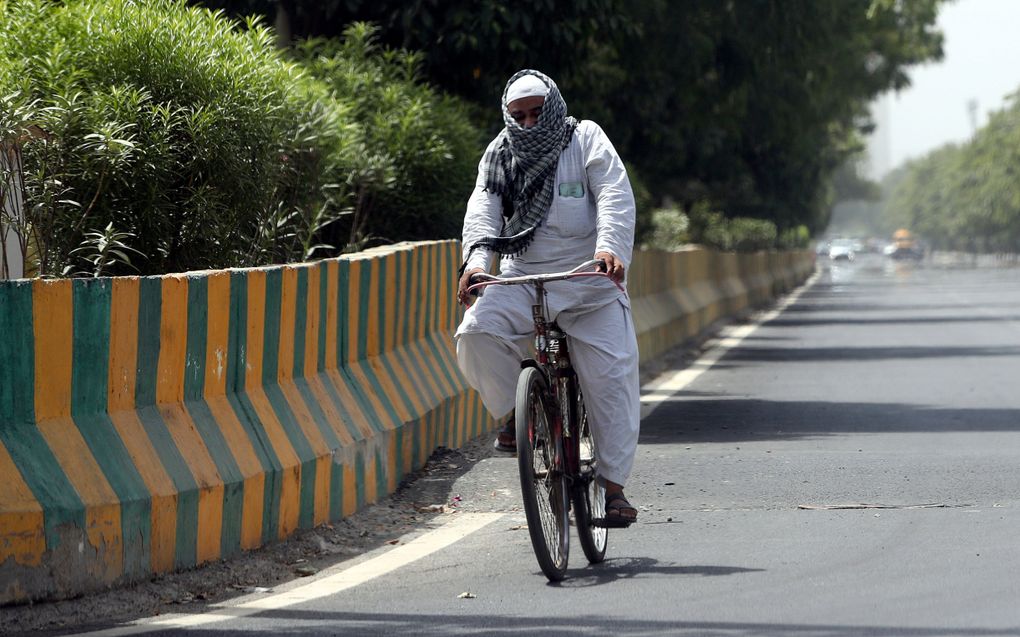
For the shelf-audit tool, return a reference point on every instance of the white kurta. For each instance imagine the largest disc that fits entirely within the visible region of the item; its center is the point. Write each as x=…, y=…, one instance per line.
x=592, y=211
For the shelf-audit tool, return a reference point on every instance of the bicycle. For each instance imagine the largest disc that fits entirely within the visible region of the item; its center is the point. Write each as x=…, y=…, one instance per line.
x=555, y=447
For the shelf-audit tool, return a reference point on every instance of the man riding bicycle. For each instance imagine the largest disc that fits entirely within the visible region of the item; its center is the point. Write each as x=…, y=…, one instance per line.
x=552, y=192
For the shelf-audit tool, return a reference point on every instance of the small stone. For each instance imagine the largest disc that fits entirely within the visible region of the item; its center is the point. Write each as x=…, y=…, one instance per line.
x=306, y=570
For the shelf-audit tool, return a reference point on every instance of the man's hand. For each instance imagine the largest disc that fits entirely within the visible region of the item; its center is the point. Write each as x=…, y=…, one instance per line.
x=614, y=266
x=462, y=294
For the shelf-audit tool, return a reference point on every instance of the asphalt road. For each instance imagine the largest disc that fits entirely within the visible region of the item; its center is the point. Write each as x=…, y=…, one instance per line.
x=848, y=467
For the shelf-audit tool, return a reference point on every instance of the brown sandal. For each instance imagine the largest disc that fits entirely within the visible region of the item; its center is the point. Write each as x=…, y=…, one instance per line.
x=616, y=504
x=506, y=437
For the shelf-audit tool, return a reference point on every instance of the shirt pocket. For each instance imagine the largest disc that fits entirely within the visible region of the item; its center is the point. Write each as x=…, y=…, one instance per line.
x=570, y=215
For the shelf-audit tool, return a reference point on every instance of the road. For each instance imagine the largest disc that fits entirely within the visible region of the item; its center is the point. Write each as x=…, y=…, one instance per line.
x=846, y=467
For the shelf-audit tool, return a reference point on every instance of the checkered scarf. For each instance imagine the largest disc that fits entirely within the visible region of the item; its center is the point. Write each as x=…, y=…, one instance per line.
x=520, y=167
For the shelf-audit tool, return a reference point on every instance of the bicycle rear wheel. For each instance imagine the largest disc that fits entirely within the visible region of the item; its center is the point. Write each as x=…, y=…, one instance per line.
x=589, y=496
x=543, y=485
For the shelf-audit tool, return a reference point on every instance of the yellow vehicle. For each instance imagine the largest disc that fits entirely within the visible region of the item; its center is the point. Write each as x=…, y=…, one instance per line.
x=905, y=246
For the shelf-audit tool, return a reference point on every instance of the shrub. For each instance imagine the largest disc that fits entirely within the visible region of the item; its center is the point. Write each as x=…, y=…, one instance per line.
x=194, y=141
x=421, y=148
x=669, y=229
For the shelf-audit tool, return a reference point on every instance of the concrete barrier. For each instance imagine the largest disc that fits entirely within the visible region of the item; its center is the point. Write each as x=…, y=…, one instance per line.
x=152, y=424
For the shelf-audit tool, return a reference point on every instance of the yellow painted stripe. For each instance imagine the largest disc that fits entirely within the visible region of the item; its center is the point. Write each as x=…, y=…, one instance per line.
x=163, y=509
x=288, y=296
x=248, y=462
x=255, y=345
x=336, y=422
x=53, y=322
x=123, y=344
x=350, y=403
x=318, y=444
x=217, y=330
x=217, y=334
x=173, y=333
x=121, y=404
x=52, y=311
x=373, y=346
x=102, y=507
x=21, y=517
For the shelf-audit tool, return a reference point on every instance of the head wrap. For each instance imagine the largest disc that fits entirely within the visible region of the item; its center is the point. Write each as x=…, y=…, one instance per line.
x=525, y=86
x=520, y=164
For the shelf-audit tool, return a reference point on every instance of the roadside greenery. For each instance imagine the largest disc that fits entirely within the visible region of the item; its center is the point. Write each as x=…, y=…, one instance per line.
x=159, y=136
x=171, y=138
x=965, y=197
x=748, y=107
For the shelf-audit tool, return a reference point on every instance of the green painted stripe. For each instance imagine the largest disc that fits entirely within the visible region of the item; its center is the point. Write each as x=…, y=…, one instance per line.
x=17, y=373
x=323, y=306
x=318, y=415
x=198, y=325
x=430, y=292
x=399, y=379
x=150, y=307
x=270, y=363
x=28, y=449
x=344, y=307
x=338, y=404
x=273, y=484
x=300, y=320
x=237, y=339
x=89, y=379
x=364, y=285
x=364, y=297
x=201, y=415
x=407, y=267
x=444, y=358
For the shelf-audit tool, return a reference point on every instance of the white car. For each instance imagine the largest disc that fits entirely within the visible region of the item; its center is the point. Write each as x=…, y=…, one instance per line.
x=842, y=250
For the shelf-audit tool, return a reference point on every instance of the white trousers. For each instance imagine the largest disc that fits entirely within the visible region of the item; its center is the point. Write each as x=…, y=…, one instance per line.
x=496, y=336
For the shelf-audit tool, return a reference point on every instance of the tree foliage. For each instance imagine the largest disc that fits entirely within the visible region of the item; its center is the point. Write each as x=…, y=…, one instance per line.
x=750, y=105
x=967, y=196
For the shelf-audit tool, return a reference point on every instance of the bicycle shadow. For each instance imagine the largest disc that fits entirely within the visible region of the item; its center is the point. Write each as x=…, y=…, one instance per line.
x=623, y=568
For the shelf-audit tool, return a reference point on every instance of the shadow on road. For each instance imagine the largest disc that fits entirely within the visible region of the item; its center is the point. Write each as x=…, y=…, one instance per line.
x=725, y=419
x=317, y=622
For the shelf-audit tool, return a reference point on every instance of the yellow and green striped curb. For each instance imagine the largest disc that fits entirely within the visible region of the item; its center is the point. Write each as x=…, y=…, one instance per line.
x=151, y=424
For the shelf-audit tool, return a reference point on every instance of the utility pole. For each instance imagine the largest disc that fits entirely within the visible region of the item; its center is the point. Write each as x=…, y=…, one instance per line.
x=972, y=107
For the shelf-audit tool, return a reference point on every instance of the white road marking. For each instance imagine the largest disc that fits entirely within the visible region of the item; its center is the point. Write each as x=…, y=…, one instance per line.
x=669, y=384
x=458, y=528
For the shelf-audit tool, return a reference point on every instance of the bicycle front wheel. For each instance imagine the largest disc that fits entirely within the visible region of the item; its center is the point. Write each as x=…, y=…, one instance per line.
x=543, y=485
x=589, y=495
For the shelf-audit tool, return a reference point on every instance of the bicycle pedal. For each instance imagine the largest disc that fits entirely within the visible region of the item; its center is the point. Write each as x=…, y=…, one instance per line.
x=608, y=523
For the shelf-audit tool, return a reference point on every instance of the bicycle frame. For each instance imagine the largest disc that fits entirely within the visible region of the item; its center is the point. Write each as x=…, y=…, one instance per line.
x=552, y=359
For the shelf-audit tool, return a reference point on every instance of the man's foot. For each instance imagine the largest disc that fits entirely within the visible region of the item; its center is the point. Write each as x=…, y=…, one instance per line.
x=619, y=512
x=506, y=437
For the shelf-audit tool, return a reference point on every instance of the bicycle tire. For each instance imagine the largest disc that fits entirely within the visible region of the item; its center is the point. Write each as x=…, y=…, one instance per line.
x=589, y=495
x=543, y=485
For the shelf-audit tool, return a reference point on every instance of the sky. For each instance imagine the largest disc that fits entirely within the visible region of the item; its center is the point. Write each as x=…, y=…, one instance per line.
x=981, y=63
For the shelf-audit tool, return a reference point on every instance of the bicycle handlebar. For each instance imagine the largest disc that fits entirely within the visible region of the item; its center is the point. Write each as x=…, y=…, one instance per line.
x=480, y=280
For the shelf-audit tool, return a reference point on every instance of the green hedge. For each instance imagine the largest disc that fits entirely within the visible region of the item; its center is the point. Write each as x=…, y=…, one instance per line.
x=176, y=139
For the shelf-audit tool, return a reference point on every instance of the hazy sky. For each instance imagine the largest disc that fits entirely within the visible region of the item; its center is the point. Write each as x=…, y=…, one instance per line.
x=981, y=63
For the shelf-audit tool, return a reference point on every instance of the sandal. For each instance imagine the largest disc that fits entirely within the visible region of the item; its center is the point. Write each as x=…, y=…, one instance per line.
x=616, y=504
x=506, y=437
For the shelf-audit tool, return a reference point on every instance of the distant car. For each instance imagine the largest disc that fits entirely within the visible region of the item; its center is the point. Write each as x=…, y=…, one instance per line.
x=842, y=251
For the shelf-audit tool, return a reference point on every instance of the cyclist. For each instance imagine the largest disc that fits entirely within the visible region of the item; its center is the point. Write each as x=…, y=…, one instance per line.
x=551, y=193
